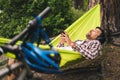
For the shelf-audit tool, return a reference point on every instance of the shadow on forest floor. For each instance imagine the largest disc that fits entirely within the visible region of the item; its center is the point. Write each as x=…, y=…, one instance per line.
x=109, y=68
x=105, y=68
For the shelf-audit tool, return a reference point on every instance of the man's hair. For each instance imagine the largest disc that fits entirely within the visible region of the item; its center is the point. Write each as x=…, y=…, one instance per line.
x=101, y=37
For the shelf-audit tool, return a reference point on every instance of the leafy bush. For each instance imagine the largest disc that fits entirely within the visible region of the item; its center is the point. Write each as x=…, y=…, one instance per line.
x=15, y=15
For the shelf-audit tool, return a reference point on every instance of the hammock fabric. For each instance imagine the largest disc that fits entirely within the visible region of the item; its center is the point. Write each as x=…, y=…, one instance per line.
x=77, y=31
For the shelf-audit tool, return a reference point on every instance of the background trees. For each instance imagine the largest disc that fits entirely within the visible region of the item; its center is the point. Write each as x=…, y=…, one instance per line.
x=15, y=15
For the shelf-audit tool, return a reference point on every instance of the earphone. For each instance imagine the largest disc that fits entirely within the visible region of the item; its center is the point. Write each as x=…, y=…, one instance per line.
x=101, y=38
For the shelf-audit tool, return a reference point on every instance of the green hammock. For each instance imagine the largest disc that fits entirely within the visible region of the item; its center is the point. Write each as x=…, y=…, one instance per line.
x=77, y=30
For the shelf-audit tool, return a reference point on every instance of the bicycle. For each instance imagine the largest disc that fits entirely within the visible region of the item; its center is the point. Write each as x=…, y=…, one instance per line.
x=31, y=58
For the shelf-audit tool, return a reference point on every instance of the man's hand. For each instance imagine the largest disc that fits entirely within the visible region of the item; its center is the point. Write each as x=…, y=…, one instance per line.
x=62, y=38
x=67, y=39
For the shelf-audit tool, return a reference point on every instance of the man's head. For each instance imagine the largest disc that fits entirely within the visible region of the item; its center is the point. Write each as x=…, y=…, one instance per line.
x=96, y=34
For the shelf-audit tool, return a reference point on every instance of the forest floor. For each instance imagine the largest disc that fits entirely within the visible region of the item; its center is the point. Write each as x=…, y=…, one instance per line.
x=107, y=67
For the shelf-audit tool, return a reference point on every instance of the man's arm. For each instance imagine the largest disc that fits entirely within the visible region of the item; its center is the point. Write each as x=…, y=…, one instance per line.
x=62, y=40
x=89, y=52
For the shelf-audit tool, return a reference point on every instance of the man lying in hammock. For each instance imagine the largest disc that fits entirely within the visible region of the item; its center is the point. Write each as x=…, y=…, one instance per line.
x=88, y=48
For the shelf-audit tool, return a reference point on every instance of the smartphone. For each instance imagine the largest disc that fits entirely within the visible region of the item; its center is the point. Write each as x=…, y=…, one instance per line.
x=62, y=32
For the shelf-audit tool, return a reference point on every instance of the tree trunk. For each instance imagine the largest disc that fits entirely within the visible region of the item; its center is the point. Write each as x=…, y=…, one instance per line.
x=78, y=4
x=110, y=14
x=92, y=3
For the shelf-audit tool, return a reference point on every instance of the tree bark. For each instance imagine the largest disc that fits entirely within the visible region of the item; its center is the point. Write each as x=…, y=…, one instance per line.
x=110, y=14
x=92, y=3
x=78, y=4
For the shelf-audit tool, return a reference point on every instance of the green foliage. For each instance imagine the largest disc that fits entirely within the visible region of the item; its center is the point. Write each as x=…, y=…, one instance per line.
x=15, y=15
x=60, y=17
x=79, y=12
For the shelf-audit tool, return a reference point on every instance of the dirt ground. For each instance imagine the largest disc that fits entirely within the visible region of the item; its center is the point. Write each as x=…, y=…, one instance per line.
x=107, y=67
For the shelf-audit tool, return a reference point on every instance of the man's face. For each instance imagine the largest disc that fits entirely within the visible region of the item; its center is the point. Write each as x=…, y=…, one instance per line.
x=93, y=34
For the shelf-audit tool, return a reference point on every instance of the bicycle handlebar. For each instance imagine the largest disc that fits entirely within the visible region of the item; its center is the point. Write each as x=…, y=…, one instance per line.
x=10, y=47
x=33, y=22
x=44, y=12
x=19, y=36
x=5, y=48
x=1, y=51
